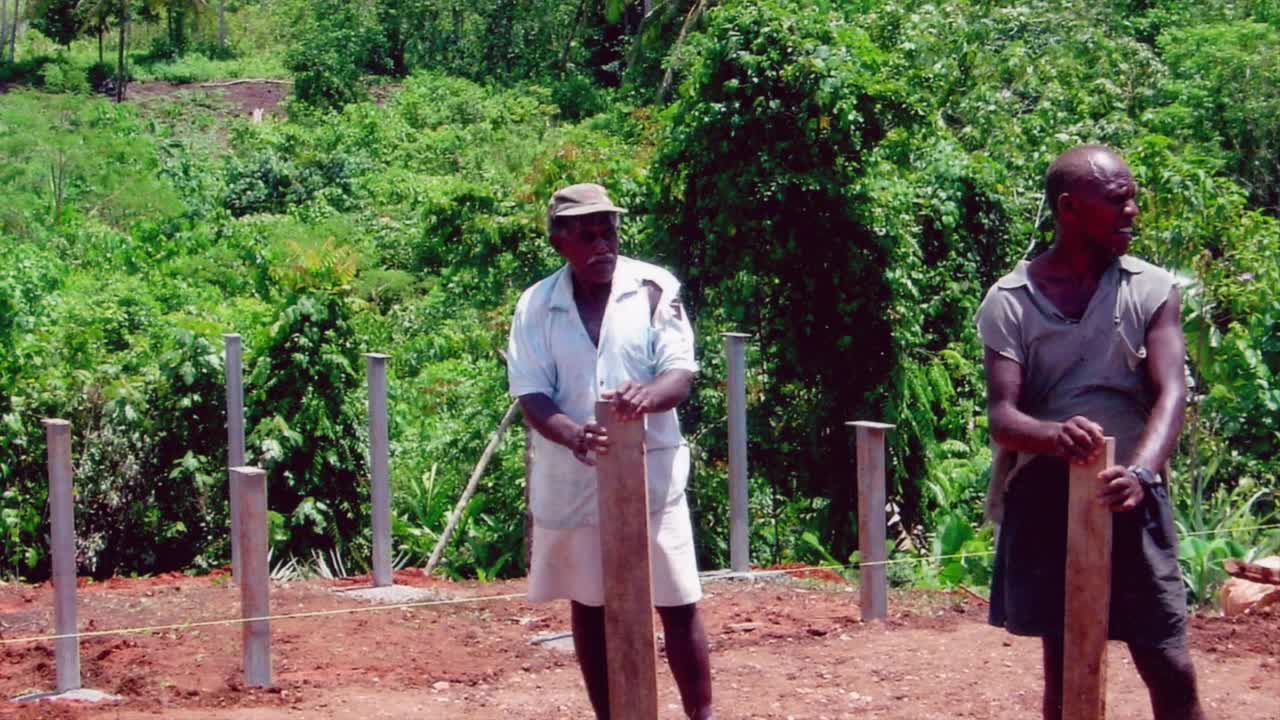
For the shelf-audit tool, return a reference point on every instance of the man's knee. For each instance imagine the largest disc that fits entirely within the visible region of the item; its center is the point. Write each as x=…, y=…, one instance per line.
x=1168, y=672
x=679, y=617
x=1173, y=662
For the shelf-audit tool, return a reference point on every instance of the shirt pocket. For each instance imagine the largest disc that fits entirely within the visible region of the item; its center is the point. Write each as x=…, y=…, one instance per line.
x=637, y=351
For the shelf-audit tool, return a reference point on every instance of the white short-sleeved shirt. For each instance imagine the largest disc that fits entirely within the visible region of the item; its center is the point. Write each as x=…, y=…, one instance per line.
x=549, y=352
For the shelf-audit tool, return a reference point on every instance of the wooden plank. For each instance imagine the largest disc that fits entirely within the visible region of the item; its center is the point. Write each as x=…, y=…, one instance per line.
x=1088, y=593
x=628, y=593
x=874, y=600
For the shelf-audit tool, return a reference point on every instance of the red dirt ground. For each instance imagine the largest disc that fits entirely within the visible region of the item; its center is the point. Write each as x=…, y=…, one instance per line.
x=242, y=98
x=779, y=650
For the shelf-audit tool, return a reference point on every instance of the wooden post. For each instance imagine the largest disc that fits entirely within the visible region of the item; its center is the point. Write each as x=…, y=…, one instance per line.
x=1088, y=593
x=255, y=588
x=874, y=600
x=379, y=482
x=235, y=439
x=735, y=351
x=62, y=531
x=628, y=591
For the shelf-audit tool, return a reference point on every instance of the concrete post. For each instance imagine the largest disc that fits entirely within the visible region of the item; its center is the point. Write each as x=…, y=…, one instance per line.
x=735, y=352
x=235, y=438
x=63, y=535
x=379, y=482
x=255, y=588
x=874, y=600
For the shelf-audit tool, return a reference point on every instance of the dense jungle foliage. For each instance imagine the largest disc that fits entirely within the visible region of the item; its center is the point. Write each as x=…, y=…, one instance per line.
x=841, y=179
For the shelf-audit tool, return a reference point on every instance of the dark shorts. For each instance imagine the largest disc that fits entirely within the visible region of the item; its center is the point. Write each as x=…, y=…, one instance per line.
x=1148, y=601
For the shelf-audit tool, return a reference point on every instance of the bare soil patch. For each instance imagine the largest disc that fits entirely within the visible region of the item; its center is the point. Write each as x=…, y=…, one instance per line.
x=793, y=649
x=240, y=98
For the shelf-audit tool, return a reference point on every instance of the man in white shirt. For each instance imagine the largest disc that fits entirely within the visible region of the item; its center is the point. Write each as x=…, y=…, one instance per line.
x=606, y=327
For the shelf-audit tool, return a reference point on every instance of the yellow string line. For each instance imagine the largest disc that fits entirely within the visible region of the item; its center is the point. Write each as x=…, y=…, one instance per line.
x=1234, y=529
x=237, y=621
x=513, y=596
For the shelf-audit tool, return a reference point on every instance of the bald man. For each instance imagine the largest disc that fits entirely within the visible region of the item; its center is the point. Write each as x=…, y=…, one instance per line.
x=1083, y=341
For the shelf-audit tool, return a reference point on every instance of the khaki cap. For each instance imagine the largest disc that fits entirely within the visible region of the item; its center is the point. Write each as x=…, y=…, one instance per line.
x=580, y=199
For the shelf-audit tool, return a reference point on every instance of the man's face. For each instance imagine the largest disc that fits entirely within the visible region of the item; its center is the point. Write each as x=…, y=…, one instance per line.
x=1104, y=204
x=589, y=243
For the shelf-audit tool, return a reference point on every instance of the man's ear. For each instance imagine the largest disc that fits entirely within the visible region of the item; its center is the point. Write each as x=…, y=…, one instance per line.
x=1065, y=205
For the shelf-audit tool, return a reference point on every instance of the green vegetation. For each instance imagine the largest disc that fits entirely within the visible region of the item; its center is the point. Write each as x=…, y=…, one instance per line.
x=842, y=179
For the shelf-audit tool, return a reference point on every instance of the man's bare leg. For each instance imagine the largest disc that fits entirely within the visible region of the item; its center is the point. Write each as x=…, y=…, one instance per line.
x=1052, y=704
x=1171, y=681
x=689, y=657
x=589, y=646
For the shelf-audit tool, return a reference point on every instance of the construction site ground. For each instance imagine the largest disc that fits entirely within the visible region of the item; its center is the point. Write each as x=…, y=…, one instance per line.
x=781, y=648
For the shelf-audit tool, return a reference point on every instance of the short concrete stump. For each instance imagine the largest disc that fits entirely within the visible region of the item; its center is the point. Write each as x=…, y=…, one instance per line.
x=82, y=695
x=391, y=594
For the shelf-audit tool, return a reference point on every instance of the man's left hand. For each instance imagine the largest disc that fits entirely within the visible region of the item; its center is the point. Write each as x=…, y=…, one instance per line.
x=632, y=400
x=1121, y=491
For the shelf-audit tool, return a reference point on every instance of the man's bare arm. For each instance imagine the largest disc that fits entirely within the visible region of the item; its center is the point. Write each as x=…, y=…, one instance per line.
x=546, y=417
x=1167, y=371
x=665, y=392
x=1078, y=439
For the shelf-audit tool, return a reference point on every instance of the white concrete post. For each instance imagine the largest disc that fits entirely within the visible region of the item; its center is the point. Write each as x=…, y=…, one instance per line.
x=255, y=588
x=63, y=535
x=235, y=440
x=874, y=600
x=735, y=352
x=379, y=482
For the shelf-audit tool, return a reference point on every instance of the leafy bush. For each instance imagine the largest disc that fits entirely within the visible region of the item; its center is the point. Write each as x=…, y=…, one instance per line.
x=63, y=77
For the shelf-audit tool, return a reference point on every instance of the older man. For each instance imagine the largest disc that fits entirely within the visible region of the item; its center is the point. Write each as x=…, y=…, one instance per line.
x=611, y=328
x=1081, y=341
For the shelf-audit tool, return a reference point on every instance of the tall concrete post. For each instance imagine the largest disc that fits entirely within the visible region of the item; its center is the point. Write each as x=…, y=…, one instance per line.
x=735, y=351
x=255, y=588
x=874, y=601
x=235, y=438
x=63, y=535
x=379, y=482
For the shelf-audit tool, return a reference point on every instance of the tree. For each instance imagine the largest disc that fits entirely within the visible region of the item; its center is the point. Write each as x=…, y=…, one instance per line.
x=13, y=31
x=59, y=20
x=122, y=72
x=757, y=192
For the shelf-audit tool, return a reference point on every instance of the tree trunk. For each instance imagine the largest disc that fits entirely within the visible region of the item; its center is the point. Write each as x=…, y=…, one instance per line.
x=573, y=34
x=222, y=25
x=101, y=32
x=4, y=25
x=13, y=32
x=122, y=77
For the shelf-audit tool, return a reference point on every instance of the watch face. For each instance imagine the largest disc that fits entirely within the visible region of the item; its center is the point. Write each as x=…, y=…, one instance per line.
x=1145, y=476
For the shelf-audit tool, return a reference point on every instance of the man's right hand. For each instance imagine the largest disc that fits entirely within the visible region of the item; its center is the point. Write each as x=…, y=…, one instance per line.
x=1079, y=440
x=591, y=438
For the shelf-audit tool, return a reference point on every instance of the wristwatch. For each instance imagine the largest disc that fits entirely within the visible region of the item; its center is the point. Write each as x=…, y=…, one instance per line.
x=1145, y=477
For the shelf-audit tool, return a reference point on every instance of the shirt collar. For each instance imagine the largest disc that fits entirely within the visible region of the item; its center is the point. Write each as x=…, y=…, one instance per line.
x=625, y=282
x=1018, y=276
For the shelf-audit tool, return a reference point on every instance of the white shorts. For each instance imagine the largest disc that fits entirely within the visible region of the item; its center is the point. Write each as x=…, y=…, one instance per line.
x=566, y=564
